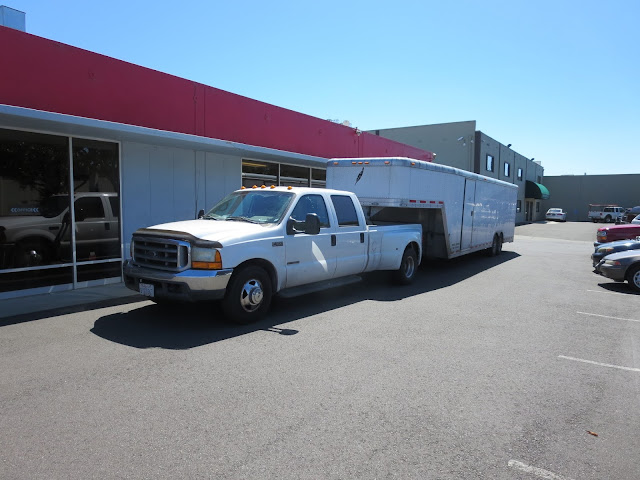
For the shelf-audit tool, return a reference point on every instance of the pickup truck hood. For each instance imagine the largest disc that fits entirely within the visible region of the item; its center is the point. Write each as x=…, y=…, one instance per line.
x=224, y=231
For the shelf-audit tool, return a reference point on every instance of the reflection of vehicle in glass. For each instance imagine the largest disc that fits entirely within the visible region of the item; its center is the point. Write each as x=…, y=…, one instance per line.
x=45, y=239
x=556, y=214
x=636, y=220
x=622, y=266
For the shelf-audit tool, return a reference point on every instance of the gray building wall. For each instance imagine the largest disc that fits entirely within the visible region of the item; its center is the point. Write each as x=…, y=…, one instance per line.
x=453, y=143
x=574, y=193
x=460, y=145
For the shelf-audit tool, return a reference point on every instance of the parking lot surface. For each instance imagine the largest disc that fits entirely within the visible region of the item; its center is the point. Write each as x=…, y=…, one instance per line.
x=521, y=366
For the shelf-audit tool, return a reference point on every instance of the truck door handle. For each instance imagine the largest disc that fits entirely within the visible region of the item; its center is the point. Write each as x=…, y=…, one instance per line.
x=333, y=240
x=362, y=238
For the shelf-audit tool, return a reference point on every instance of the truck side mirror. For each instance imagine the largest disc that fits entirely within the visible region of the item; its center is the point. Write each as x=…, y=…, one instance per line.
x=201, y=213
x=312, y=224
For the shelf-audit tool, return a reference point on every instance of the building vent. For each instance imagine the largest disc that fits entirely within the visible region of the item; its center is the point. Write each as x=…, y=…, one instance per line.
x=12, y=18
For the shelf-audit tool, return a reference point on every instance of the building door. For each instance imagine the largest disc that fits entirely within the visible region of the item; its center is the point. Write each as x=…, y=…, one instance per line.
x=529, y=211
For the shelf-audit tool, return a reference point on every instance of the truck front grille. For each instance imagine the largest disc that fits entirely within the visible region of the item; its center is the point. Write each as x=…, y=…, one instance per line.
x=161, y=253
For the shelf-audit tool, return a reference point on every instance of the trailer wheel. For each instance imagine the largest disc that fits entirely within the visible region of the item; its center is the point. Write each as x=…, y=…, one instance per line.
x=248, y=295
x=634, y=278
x=408, y=267
x=496, y=246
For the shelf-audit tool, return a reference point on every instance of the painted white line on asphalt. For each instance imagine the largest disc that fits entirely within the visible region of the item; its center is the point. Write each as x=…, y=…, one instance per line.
x=631, y=369
x=611, y=293
x=538, y=472
x=607, y=316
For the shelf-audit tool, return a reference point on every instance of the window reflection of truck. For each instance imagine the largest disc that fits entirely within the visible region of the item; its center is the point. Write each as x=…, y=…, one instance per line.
x=33, y=240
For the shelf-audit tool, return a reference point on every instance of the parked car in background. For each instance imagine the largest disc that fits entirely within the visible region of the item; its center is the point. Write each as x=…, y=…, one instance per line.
x=616, y=232
x=605, y=213
x=556, y=214
x=603, y=250
x=631, y=214
x=622, y=266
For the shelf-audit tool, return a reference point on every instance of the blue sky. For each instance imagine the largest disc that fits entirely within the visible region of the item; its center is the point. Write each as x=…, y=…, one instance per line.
x=559, y=80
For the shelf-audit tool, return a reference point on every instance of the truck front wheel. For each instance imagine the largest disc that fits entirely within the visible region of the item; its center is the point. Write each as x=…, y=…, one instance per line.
x=408, y=267
x=248, y=295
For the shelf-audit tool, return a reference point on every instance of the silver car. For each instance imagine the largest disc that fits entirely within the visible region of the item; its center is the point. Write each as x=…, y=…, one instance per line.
x=622, y=266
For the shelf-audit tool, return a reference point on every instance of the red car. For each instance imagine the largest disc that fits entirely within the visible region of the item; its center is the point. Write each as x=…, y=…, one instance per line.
x=617, y=232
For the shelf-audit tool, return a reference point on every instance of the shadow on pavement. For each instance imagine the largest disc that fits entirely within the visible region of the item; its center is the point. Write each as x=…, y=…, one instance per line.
x=70, y=309
x=192, y=325
x=618, y=287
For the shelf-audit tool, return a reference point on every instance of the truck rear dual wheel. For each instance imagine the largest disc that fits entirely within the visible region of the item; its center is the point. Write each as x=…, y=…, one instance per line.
x=248, y=295
x=408, y=267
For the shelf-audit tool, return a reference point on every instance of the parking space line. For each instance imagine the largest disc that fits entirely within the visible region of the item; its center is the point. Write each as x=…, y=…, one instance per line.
x=611, y=293
x=631, y=369
x=607, y=316
x=538, y=472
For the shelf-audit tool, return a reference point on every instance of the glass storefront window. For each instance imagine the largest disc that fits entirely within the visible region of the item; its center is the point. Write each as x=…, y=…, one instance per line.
x=259, y=173
x=294, y=175
x=36, y=218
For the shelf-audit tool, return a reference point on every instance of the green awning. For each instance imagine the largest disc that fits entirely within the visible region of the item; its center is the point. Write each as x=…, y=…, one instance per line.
x=536, y=190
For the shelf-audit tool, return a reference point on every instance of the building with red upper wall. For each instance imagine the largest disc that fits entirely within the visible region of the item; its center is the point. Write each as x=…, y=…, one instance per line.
x=136, y=147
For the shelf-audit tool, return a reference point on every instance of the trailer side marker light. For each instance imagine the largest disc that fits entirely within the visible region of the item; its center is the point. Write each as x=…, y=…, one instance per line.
x=423, y=201
x=413, y=163
x=335, y=163
x=412, y=201
x=359, y=163
x=366, y=163
x=432, y=201
x=273, y=186
x=353, y=163
x=387, y=163
x=441, y=203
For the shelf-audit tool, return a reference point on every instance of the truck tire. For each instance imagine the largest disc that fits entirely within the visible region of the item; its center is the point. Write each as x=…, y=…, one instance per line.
x=248, y=295
x=633, y=277
x=408, y=267
x=607, y=219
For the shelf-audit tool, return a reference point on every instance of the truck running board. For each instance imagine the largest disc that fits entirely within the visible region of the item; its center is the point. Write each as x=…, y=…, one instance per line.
x=318, y=286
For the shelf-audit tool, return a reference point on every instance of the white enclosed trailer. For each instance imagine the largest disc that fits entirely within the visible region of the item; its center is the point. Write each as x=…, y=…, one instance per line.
x=460, y=212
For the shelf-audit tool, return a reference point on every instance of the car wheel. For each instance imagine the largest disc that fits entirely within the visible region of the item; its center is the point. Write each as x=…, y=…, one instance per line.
x=248, y=295
x=408, y=267
x=607, y=219
x=633, y=277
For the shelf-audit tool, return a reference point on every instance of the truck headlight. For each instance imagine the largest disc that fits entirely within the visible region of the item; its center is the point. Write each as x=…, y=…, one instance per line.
x=205, y=259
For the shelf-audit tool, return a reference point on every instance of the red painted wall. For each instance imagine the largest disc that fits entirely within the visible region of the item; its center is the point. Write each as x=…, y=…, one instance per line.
x=46, y=75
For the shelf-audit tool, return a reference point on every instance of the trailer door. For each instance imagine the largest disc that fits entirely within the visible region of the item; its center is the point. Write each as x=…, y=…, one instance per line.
x=467, y=214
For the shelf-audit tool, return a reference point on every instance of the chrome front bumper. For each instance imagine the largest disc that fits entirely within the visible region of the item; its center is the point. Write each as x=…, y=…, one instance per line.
x=189, y=285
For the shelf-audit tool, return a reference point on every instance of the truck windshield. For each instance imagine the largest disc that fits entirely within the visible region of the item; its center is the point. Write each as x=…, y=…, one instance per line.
x=252, y=206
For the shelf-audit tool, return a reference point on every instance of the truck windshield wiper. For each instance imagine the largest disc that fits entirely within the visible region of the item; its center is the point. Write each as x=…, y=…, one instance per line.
x=209, y=217
x=242, y=219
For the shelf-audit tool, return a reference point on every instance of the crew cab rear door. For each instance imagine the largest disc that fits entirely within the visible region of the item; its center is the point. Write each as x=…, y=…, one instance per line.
x=350, y=237
x=310, y=258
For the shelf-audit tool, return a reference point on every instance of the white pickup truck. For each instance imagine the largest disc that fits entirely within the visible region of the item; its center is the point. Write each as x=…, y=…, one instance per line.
x=257, y=242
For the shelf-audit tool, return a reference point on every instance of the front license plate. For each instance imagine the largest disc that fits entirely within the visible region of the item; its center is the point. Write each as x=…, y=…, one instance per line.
x=146, y=289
